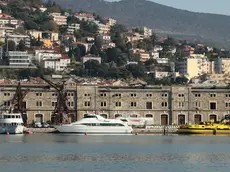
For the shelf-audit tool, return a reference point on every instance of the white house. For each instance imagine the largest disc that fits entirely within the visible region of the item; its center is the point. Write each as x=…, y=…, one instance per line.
x=19, y=58
x=46, y=55
x=59, y=19
x=73, y=27
x=90, y=57
x=85, y=16
x=17, y=38
x=57, y=64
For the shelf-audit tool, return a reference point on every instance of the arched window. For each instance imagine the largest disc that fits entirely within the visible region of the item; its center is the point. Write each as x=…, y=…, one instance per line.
x=118, y=115
x=213, y=117
x=133, y=116
x=181, y=119
x=197, y=118
x=148, y=115
x=104, y=115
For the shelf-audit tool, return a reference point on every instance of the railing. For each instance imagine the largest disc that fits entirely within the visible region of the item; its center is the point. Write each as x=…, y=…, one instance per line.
x=162, y=127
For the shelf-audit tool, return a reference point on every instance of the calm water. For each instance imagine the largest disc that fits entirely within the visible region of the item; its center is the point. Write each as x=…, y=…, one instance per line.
x=67, y=153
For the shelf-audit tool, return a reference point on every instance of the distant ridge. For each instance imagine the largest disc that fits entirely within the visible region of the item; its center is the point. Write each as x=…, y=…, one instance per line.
x=209, y=28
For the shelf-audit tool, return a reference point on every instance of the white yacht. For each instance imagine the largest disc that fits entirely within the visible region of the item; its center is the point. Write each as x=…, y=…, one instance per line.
x=96, y=124
x=11, y=123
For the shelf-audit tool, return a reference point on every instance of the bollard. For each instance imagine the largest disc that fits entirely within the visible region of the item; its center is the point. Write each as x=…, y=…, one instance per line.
x=214, y=131
x=164, y=131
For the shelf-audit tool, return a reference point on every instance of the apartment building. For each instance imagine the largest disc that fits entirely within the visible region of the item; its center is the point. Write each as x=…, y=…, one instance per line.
x=146, y=31
x=59, y=19
x=222, y=65
x=193, y=67
x=58, y=64
x=19, y=58
x=73, y=27
x=18, y=37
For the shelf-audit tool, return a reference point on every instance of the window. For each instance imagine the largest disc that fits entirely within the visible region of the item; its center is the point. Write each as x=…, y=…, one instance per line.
x=87, y=104
x=117, y=95
x=149, y=105
x=227, y=104
x=70, y=94
x=213, y=105
x=54, y=94
x=149, y=116
x=54, y=103
x=39, y=94
x=227, y=95
x=197, y=95
x=103, y=104
x=7, y=103
x=6, y=94
x=39, y=103
x=148, y=95
x=164, y=104
x=133, y=95
x=212, y=95
x=181, y=104
x=133, y=104
x=118, y=115
x=118, y=104
x=181, y=95
x=164, y=95
x=87, y=95
x=133, y=116
x=70, y=104
x=196, y=104
x=103, y=95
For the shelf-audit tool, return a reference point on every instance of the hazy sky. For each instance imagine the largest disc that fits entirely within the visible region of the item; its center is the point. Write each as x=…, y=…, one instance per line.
x=206, y=6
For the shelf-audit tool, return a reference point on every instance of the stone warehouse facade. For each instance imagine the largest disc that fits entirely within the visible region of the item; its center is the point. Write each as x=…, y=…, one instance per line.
x=39, y=101
x=160, y=105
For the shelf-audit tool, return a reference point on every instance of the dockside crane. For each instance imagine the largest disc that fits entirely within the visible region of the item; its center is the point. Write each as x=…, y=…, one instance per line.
x=16, y=103
x=61, y=112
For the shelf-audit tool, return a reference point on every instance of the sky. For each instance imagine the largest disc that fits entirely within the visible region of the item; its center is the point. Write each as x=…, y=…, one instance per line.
x=205, y=6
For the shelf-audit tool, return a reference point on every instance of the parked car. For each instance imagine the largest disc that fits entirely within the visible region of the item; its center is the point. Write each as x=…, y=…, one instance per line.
x=38, y=124
x=45, y=125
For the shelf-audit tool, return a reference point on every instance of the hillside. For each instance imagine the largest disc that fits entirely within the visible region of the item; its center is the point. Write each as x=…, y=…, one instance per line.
x=165, y=20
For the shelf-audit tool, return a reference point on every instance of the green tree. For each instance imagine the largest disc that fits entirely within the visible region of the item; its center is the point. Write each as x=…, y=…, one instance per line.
x=137, y=70
x=11, y=45
x=94, y=50
x=77, y=35
x=181, y=80
x=89, y=27
x=21, y=46
x=50, y=25
x=92, y=67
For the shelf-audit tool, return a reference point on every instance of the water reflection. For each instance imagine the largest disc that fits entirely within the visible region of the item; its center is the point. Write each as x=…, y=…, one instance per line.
x=52, y=152
x=156, y=158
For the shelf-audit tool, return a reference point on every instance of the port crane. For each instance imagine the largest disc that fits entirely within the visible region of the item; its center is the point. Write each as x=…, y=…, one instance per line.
x=61, y=112
x=17, y=105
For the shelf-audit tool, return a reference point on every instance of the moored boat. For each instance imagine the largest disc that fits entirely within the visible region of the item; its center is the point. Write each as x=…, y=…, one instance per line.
x=11, y=123
x=210, y=127
x=95, y=124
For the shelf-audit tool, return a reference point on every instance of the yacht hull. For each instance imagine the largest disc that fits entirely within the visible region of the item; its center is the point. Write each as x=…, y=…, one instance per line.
x=81, y=129
x=11, y=129
x=202, y=131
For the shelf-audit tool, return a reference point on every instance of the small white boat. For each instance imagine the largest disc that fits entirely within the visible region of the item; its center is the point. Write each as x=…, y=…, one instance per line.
x=96, y=124
x=11, y=123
